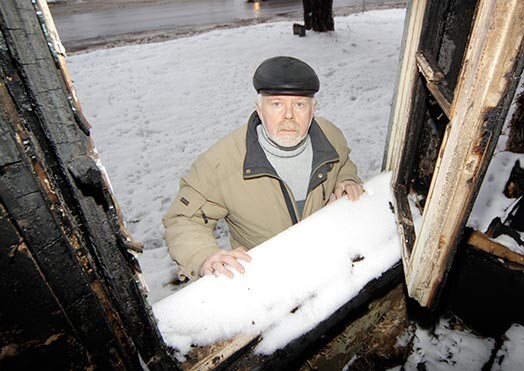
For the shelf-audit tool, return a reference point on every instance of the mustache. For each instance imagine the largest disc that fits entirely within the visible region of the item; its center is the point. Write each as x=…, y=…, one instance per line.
x=288, y=125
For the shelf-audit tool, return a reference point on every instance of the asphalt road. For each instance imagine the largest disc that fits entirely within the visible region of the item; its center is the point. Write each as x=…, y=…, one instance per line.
x=143, y=18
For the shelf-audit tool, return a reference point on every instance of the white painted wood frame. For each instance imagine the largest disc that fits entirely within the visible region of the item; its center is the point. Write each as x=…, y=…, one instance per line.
x=494, y=50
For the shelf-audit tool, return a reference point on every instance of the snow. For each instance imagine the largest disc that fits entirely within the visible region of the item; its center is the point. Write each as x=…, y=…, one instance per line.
x=491, y=201
x=445, y=348
x=155, y=107
x=449, y=346
x=296, y=293
x=509, y=356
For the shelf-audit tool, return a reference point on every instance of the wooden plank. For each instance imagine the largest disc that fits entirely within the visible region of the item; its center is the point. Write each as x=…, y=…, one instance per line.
x=435, y=81
x=442, y=95
x=481, y=101
x=215, y=356
x=429, y=68
x=402, y=108
x=404, y=221
x=482, y=242
x=59, y=53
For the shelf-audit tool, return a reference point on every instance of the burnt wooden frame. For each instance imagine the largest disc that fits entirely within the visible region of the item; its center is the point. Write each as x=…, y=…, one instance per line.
x=476, y=106
x=71, y=296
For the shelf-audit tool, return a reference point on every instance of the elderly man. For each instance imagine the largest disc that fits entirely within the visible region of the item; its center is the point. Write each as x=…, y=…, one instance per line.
x=267, y=175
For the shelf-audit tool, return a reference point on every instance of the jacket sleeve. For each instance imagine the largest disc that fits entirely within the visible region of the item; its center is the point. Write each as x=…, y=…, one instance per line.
x=348, y=170
x=190, y=221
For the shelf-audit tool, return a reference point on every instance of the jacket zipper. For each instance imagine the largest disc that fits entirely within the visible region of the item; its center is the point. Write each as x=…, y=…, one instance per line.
x=294, y=209
x=288, y=198
x=313, y=176
x=290, y=201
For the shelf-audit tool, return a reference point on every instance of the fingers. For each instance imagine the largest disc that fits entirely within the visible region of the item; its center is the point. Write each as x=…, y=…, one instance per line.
x=240, y=253
x=220, y=268
x=339, y=190
x=354, y=191
x=233, y=262
x=221, y=261
x=206, y=271
x=206, y=268
x=349, y=188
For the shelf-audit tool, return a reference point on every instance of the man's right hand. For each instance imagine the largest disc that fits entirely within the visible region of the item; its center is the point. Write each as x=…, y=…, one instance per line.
x=220, y=262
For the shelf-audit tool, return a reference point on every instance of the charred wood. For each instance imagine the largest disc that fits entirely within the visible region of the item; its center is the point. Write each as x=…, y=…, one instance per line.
x=516, y=126
x=484, y=290
x=64, y=216
x=405, y=223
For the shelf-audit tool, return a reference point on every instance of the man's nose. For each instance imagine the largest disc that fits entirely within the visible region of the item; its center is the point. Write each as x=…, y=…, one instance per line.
x=289, y=111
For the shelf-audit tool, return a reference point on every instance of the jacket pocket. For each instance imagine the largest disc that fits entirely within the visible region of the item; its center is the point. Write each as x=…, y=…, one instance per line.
x=187, y=203
x=190, y=203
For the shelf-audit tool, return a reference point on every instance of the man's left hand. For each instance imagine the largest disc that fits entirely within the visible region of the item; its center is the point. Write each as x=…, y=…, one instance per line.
x=350, y=188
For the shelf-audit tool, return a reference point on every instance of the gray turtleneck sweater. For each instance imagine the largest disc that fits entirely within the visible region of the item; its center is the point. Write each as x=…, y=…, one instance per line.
x=293, y=165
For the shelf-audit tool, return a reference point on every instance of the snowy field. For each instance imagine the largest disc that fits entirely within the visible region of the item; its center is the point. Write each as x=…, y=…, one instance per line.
x=155, y=107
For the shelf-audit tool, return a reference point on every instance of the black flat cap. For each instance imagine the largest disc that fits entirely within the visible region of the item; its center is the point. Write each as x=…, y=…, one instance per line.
x=286, y=76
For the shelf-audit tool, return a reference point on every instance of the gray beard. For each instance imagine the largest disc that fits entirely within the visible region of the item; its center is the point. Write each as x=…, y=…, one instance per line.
x=277, y=150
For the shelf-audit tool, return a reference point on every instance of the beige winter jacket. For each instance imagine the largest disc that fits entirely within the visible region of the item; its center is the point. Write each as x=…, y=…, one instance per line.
x=234, y=180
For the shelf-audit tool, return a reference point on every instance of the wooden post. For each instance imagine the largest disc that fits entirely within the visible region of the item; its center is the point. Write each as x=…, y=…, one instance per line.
x=406, y=84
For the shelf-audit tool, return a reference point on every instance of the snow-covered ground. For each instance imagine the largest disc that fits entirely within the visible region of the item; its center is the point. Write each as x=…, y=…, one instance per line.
x=155, y=107
x=450, y=347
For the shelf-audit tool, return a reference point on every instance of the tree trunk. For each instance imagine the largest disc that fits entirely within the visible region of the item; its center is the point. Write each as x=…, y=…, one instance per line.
x=318, y=15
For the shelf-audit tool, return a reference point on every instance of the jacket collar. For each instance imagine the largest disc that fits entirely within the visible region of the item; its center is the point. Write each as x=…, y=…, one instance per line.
x=256, y=163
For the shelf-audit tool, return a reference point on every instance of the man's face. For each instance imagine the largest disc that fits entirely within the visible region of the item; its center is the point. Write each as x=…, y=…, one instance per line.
x=286, y=117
